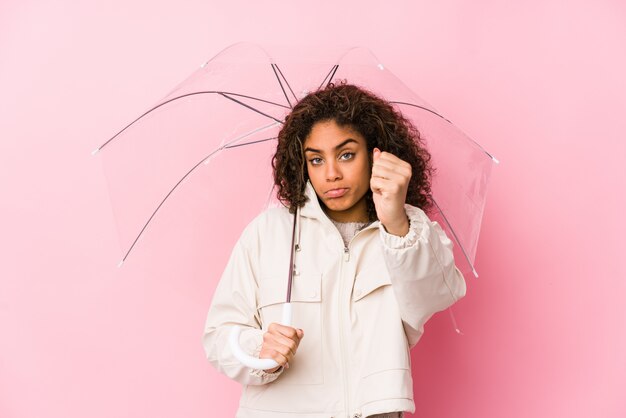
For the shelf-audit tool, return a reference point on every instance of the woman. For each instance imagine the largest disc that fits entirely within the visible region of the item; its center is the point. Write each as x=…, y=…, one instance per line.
x=370, y=266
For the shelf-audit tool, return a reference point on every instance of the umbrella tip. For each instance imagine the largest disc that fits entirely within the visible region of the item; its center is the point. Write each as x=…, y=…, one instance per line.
x=120, y=263
x=495, y=159
x=94, y=152
x=475, y=272
x=380, y=66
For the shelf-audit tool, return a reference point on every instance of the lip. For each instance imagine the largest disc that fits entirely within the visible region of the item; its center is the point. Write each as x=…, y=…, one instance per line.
x=334, y=193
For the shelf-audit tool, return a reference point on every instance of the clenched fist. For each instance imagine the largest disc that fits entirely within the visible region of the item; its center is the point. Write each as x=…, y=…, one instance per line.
x=390, y=183
x=280, y=343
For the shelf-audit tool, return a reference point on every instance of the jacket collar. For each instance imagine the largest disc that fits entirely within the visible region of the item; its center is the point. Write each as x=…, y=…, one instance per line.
x=312, y=208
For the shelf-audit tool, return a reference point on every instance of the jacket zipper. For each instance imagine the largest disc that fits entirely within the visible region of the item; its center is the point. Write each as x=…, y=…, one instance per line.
x=346, y=249
x=346, y=380
x=341, y=343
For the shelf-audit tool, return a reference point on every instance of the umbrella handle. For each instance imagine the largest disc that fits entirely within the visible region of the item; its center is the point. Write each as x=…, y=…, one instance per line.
x=254, y=362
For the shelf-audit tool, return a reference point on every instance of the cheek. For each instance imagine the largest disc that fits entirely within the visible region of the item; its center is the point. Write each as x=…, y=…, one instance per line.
x=366, y=171
x=313, y=175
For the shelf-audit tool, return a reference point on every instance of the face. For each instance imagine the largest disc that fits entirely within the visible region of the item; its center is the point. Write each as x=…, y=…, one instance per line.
x=339, y=169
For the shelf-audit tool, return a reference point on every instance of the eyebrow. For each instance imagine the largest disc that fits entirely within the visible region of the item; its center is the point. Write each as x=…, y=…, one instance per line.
x=347, y=141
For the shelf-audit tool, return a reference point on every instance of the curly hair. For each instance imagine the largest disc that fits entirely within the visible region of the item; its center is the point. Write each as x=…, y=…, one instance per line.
x=374, y=118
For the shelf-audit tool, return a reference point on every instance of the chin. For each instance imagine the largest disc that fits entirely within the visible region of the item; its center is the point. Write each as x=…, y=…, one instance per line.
x=339, y=206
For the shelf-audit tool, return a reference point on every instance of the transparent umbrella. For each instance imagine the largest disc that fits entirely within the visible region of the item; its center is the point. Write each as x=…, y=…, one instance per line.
x=216, y=132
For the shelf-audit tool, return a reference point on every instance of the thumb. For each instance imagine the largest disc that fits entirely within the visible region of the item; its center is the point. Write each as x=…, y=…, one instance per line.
x=376, y=153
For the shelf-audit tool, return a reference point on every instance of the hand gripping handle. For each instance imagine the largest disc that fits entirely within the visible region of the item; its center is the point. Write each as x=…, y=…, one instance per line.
x=254, y=362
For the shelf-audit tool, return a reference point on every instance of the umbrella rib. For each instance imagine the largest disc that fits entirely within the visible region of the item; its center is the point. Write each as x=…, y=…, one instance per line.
x=455, y=237
x=330, y=74
x=262, y=128
x=423, y=108
x=249, y=143
x=161, y=204
x=254, y=98
x=168, y=195
x=180, y=97
x=286, y=82
x=250, y=107
x=447, y=120
x=281, y=86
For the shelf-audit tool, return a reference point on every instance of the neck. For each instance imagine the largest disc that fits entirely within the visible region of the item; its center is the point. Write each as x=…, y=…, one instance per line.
x=357, y=213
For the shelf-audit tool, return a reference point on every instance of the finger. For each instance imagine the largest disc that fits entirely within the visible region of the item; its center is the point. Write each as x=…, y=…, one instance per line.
x=379, y=185
x=281, y=340
x=386, y=173
x=389, y=157
x=392, y=181
x=269, y=350
x=401, y=167
x=274, y=354
x=284, y=350
x=287, y=331
x=400, y=178
x=276, y=327
x=385, y=187
x=271, y=346
x=293, y=340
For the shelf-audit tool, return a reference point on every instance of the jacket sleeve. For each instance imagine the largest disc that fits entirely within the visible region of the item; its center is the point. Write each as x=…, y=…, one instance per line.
x=422, y=271
x=234, y=303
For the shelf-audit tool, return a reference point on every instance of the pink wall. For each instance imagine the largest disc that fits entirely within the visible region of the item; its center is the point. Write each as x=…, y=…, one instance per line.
x=539, y=84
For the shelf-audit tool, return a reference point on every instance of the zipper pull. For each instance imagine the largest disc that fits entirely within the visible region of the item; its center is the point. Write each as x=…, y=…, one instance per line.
x=346, y=254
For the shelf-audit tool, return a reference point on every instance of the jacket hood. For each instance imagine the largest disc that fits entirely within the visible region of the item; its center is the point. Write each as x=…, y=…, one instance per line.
x=311, y=208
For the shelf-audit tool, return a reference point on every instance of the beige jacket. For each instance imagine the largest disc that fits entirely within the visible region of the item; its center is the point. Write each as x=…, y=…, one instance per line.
x=362, y=307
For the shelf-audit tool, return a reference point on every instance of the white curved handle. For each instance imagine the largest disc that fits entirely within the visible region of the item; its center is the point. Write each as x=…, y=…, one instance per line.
x=254, y=362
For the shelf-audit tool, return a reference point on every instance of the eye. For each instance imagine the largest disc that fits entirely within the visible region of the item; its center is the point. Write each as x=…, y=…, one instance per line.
x=312, y=160
x=351, y=154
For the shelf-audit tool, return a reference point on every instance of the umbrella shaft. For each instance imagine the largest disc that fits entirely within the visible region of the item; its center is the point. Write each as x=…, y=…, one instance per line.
x=293, y=236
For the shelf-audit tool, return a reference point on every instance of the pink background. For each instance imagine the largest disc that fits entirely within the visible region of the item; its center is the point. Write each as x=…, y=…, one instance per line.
x=539, y=84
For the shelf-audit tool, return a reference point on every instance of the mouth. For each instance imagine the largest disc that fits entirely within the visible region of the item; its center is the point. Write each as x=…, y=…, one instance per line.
x=334, y=193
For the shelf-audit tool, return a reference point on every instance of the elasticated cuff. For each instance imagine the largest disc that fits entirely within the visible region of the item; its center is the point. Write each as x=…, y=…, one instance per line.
x=416, y=222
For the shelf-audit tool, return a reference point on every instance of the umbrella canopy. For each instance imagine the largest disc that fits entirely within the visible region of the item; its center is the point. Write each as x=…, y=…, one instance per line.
x=219, y=128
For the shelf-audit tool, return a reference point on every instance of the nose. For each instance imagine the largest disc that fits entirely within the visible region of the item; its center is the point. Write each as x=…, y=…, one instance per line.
x=332, y=171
